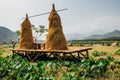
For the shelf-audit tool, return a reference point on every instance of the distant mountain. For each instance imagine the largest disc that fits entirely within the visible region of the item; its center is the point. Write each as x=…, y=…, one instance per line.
x=96, y=32
x=99, y=34
x=6, y=35
x=73, y=36
x=115, y=33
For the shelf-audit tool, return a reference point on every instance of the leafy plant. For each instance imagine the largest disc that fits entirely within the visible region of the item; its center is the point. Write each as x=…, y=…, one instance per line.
x=13, y=42
x=97, y=53
x=19, y=68
x=117, y=52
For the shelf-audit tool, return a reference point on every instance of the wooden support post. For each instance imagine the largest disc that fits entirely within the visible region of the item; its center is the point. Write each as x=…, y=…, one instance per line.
x=27, y=54
x=57, y=56
x=35, y=57
x=87, y=54
x=13, y=53
x=64, y=56
x=78, y=55
x=39, y=46
x=82, y=54
x=73, y=57
x=49, y=55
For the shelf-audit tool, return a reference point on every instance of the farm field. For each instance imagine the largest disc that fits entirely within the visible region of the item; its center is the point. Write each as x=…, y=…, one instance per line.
x=60, y=42
x=20, y=68
x=109, y=49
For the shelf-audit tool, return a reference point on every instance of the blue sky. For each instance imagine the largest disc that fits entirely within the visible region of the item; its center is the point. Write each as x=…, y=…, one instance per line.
x=82, y=16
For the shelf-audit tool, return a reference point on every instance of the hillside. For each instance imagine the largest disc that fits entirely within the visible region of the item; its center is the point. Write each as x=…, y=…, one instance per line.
x=73, y=36
x=115, y=33
x=94, y=35
x=6, y=35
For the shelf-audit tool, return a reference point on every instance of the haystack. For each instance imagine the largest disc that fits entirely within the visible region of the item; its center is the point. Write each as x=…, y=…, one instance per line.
x=55, y=39
x=26, y=39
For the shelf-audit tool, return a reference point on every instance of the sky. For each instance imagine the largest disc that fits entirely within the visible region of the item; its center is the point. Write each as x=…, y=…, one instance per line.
x=82, y=16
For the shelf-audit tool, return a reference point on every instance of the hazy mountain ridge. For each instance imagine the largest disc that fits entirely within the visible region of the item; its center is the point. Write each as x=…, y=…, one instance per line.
x=115, y=33
x=73, y=36
x=6, y=35
x=96, y=32
x=97, y=35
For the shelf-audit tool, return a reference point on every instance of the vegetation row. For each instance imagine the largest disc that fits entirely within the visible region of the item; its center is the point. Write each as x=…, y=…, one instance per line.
x=19, y=68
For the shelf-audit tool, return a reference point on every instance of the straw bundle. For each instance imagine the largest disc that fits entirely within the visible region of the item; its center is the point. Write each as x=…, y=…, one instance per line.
x=55, y=38
x=26, y=39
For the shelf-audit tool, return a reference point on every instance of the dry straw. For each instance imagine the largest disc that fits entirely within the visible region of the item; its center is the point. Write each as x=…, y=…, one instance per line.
x=55, y=39
x=26, y=39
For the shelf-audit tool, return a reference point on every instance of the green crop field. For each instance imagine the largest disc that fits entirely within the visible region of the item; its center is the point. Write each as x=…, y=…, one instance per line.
x=103, y=64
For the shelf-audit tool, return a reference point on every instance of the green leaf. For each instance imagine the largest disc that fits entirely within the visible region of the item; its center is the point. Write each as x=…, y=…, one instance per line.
x=30, y=67
x=100, y=64
x=93, y=67
x=64, y=74
x=26, y=76
x=41, y=70
x=18, y=76
x=48, y=64
x=18, y=66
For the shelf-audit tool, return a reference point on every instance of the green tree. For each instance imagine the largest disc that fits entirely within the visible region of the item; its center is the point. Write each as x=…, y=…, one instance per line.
x=37, y=32
x=13, y=42
x=18, y=32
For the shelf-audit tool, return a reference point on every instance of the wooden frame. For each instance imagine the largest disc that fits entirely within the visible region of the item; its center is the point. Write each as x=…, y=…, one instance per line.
x=55, y=53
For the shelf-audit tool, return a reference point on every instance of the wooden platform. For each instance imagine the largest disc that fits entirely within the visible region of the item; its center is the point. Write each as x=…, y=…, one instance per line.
x=55, y=53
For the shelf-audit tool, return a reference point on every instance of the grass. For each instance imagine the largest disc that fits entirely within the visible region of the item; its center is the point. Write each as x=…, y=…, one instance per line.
x=7, y=51
x=109, y=49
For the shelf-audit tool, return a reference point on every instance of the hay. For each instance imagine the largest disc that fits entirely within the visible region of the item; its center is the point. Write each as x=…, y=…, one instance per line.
x=26, y=39
x=55, y=39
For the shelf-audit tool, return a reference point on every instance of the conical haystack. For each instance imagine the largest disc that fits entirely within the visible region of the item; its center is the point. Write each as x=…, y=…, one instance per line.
x=26, y=39
x=55, y=38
